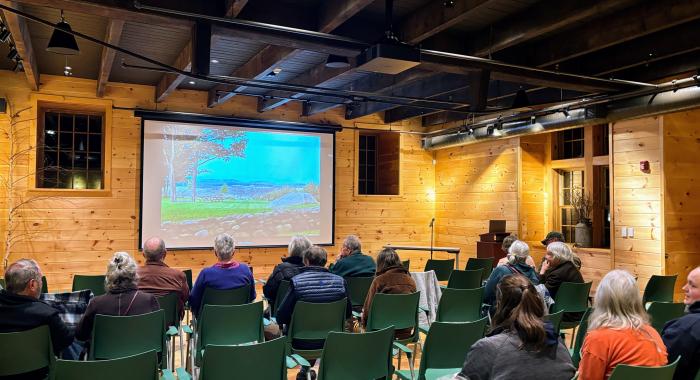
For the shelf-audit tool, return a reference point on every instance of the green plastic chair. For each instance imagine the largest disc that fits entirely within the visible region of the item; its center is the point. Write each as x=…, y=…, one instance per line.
x=358, y=287
x=279, y=297
x=142, y=366
x=399, y=311
x=443, y=268
x=169, y=305
x=662, y=312
x=572, y=297
x=481, y=263
x=255, y=361
x=555, y=318
x=446, y=346
x=460, y=305
x=348, y=356
x=575, y=351
x=465, y=279
x=237, y=296
x=229, y=325
x=659, y=289
x=631, y=372
x=30, y=351
x=94, y=283
x=313, y=321
x=406, y=264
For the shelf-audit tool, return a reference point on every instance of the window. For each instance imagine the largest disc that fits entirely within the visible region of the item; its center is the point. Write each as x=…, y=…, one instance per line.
x=378, y=163
x=569, y=181
x=569, y=144
x=70, y=150
x=605, y=203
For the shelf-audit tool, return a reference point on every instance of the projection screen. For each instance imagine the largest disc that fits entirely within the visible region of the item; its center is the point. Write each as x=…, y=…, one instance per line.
x=259, y=185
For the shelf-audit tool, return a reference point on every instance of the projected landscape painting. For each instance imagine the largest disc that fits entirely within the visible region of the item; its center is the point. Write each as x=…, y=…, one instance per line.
x=253, y=185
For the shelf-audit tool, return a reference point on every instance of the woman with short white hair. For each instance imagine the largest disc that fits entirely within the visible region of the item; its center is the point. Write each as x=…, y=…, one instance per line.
x=619, y=330
x=558, y=267
x=518, y=254
x=227, y=273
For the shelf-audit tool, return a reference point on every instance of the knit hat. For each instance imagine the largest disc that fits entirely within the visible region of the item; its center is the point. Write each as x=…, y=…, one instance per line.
x=553, y=235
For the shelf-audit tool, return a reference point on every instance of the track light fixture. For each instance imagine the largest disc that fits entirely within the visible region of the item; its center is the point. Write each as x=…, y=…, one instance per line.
x=566, y=113
x=337, y=61
x=13, y=54
x=520, y=99
x=4, y=33
x=19, y=66
x=62, y=42
x=449, y=3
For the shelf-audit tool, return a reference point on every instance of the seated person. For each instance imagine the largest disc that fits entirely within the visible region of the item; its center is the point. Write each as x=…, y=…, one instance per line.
x=618, y=330
x=554, y=236
x=505, y=245
x=122, y=297
x=316, y=284
x=227, y=273
x=518, y=253
x=21, y=310
x=290, y=266
x=392, y=278
x=157, y=278
x=682, y=336
x=558, y=267
x=351, y=262
x=520, y=345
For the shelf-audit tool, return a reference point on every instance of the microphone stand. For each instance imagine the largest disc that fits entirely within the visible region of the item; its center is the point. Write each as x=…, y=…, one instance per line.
x=432, y=228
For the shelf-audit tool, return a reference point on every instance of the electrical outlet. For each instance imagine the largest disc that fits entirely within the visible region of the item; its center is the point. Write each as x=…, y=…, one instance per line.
x=630, y=232
x=623, y=232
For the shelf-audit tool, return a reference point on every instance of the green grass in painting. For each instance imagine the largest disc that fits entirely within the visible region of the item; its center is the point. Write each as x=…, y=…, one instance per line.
x=179, y=211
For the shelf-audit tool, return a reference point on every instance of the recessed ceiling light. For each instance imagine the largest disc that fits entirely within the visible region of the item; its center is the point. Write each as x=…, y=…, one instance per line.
x=214, y=61
x=191, y=82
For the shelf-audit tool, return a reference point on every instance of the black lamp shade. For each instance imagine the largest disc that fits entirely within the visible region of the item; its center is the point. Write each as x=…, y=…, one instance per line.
x=521, y=99
x=62, y=42
x=337, y=61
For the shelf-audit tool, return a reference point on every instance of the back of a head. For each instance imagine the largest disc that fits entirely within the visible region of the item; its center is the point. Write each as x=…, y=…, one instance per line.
x=561, y=252
x=121, y=272
x=518, y=252
x=224, y=245
x=315, y=256
x=19, y=273
x=298, y=245
x=520, y=309
x=387, y=258
x=618, y=304
x=352, y=242
x=154, y=249
x=508, y=241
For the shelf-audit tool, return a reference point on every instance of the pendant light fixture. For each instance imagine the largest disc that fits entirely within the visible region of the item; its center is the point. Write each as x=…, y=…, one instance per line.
x=337, y=61
x=62, y=42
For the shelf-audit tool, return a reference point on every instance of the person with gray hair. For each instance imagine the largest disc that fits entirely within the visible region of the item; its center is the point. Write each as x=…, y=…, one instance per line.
x=682, y=335
x=21, y=310
x=227, y=273
x=122, y=298
x=351, y=262
x=157, y=278
x=557, y=268
x=516, y=263
x=289, y=267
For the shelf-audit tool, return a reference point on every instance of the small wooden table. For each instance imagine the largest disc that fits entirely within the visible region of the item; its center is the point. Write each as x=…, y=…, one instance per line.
x=452, y=250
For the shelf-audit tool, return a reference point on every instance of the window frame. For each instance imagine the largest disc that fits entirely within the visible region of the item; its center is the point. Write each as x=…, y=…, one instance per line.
x=356, y=154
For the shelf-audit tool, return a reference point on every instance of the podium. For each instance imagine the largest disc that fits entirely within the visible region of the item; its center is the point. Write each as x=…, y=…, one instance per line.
x=489, y=245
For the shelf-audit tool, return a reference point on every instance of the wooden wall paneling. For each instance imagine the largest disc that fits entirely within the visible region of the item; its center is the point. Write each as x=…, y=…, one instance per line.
x=534, y=190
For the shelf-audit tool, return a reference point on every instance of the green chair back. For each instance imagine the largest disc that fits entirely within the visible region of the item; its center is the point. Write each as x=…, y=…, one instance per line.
x=358, y=287
x=25, y=351
x=406, y=264
x=94, y=283
x=348, y=356
x=281, y=293
x=143, y=366
x=443, y=268
x=230, y=324
x=481, y=263
x=119, y=336
x=631, y=372
x=580, y=337
x=555, y=318
x=168, y=303
x=237, y=296
x=255, y=361
x=188, y=277
x=465, y=279
x=662, y=312
x=397, y=310
x=460, y=305
x=659, y=289
x=313, y=321
x=447, y=344
x=572, y=297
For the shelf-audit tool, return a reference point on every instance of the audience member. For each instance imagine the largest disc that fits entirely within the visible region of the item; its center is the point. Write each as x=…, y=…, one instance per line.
x=516, y=263
x=289, y=267
x=225, y=274
x=619, y=330
x=505, y=245
x=558, y=267
x=554, y=236
x=157, y=278
x=122, y=297
x=20, y=309
x=682, y=335
x=520, y=344
x=314, y=284
x=392, y=278
x=351, y=262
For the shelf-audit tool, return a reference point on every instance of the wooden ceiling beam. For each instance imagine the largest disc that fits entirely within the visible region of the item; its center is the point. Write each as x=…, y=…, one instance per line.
x=113, y=35
x=234, y=7
x=332, y=14
x=435, y=17
x=23, y=43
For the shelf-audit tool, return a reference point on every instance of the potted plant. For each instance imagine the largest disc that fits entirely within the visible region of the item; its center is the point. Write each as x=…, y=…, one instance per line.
x=583, y=204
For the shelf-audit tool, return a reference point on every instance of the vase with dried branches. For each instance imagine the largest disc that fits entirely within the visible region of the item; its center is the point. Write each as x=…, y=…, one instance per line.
x=583, y=204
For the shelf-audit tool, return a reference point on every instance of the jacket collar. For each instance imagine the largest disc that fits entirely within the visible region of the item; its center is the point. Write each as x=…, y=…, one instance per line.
x=15, y=299
x=157, y=263
x=313, y=269
x=394, y=269
x=296, y=260
x=694, y=308
x=355, y=252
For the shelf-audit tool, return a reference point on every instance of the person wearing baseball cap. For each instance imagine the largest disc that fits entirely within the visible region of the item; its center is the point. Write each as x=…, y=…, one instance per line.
x=553, y=236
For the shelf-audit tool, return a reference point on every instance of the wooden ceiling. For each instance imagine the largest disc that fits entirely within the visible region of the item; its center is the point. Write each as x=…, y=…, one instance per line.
x=634, y=40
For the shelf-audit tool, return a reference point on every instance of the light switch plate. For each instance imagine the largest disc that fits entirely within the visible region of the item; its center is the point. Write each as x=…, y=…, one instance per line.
x=630, y=232
x=623, y=231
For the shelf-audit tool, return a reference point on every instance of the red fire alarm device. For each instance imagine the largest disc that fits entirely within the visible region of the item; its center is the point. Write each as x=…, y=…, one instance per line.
x=644, y=166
